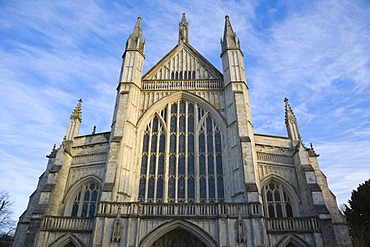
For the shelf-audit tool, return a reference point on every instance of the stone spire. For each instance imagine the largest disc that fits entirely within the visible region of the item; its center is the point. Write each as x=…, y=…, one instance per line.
x=135, y=40
x=291, y=122
x=230, y=40
x=74, y=122
x=183, y=30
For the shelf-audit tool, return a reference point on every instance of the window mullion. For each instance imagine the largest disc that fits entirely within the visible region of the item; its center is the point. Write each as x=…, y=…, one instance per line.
x=177, y=150
x=206, y=156
x=186, y=152
x=214, y=160
x=148, y=161
x=196, y=153
x=167, y=153
x=274, y=201
x=80, y=202
x=159, y=133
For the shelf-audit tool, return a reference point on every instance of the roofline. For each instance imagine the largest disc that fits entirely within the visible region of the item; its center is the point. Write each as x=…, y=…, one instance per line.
x=193, y=50
x=281, y=137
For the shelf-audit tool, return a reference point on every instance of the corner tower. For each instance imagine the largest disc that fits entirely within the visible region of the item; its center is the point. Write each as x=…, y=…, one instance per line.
x=238, y=115
x=126, y=112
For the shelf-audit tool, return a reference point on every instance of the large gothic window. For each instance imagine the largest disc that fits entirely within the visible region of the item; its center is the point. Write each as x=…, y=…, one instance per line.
x=276, y=201
x=85, y=202
x=181, y=157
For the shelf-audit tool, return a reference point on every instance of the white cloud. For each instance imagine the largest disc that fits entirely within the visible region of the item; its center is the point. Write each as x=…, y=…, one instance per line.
x=314, y=53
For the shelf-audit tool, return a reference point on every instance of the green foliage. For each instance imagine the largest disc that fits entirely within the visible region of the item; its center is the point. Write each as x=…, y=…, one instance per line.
x=358, y=214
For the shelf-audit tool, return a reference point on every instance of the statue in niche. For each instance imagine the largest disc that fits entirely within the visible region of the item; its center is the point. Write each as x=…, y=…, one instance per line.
x=183, y=33
x=116, y=235
x=241, y=230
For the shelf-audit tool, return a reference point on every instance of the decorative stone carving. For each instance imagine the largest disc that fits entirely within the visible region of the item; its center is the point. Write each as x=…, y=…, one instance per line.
x=241, y=230
x=116, y=235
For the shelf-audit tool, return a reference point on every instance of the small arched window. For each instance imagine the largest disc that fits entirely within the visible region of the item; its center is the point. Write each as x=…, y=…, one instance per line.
x=85, y=202
x=276, y=201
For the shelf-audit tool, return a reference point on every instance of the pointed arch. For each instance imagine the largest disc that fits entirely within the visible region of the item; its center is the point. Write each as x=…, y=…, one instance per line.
x=294, y=240
x=183, y=163
x=76, y=188
x=159, y=105
x=68, y=238
x=189, y=227
x=285, y=191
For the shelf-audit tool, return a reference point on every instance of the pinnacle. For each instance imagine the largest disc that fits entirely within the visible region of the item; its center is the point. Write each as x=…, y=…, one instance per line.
x=77, y=113
x=288, y=109
x=135, y=40
x=183, y=30
x=230, y=40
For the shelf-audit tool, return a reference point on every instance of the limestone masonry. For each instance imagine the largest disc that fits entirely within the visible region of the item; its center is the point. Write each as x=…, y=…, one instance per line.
x=182, y=166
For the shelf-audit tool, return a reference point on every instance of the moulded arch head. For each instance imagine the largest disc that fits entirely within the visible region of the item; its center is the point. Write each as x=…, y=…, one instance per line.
x=74, y=189
x=279, y=180
x=66, y=239
x=142, y=122
x=189, y=227
x=294, y=197
x=292, y=239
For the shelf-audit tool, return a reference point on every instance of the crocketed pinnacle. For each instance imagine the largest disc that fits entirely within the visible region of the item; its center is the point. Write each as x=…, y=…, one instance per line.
x=77, y=113
x=135, y=40
x=230, y=40
x=183, y=30
x=289, y=115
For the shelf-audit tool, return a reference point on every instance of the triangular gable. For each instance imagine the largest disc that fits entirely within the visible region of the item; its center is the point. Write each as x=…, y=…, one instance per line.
x=183, y=62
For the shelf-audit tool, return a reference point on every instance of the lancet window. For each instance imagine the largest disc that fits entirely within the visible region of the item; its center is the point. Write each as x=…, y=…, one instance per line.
x=181, y=158
x=277, y=201
x=179, y=75
x=85, y=202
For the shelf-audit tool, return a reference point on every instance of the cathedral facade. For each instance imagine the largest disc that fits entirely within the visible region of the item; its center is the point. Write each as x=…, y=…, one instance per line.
x=182, y=166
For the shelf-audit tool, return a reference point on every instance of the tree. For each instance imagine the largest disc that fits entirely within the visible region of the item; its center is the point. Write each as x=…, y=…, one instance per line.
x=7, y=224
x=358, y=214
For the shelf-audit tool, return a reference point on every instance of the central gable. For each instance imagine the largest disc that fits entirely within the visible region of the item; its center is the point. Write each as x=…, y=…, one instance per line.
x=183, y=62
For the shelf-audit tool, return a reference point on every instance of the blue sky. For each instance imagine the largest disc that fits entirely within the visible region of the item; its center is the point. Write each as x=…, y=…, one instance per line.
x=316, y=53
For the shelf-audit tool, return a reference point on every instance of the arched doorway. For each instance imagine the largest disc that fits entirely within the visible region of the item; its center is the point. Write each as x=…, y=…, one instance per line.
x=178, y=238
x=178, y=233
x=70, y=245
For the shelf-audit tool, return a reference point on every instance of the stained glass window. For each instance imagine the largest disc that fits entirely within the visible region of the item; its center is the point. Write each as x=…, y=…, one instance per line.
x=84, y=204
x=183, y=153
x=276, y=201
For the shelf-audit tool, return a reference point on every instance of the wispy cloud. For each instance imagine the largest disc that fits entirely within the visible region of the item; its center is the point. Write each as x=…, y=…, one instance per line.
x=315, y=53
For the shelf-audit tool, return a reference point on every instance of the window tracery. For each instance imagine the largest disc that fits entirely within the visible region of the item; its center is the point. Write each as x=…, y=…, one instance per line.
x=85, y=202
x=181, y=158
x=277, y=201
